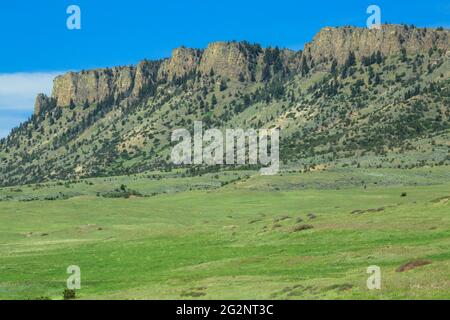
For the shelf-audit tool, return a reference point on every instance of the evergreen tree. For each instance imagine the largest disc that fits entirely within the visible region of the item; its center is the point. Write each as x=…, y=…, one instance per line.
x=213, y=100
x=351, y=60
x=223, y=86
x=72, y=105
x=334, y=68
x=403, y=57
x=266, y=73
x=305, y=68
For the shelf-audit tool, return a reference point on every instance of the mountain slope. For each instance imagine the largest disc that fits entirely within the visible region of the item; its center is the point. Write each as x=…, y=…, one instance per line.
x=352, y=97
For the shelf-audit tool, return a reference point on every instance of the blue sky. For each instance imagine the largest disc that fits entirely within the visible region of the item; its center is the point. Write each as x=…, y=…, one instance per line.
x=36, y=44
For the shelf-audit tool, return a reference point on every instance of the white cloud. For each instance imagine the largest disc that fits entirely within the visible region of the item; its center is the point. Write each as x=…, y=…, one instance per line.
x=19, y=90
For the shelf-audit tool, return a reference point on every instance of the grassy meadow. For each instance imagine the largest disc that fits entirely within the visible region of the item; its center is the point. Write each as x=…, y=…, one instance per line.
x=230, y=235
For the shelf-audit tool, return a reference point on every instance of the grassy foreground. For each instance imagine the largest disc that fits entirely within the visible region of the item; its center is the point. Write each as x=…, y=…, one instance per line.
x=294, y=236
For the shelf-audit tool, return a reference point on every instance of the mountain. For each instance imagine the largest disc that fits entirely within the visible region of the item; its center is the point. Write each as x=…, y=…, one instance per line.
x=352, y=97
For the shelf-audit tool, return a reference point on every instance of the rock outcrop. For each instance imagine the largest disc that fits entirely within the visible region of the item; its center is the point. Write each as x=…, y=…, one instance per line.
x=43, y=103
x=145, y=76
x=225, y=59
x=92, y=86
x=390, y=39
x=183, y=61
x=243, y=61
x=230, y=60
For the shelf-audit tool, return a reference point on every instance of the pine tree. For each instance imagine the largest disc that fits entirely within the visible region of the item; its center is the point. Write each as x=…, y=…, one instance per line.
x=379, y=57
x=305, y=68
x=351, y=60
x=223, y=85
x=266, y=73
x=213, y=100
x=334, y=68
x=403, y=57
x=72, y=105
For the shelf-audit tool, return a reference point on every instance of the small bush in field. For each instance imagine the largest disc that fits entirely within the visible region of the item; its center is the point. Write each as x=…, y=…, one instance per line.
x=69, y=294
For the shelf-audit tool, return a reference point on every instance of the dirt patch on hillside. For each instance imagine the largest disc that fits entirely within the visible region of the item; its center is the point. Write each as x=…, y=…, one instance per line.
x=282, y=218
x=412, y=265
x=368, y=210
x=442, y=200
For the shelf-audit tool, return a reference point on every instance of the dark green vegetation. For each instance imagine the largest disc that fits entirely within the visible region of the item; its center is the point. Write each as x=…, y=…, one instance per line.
x=292, y=236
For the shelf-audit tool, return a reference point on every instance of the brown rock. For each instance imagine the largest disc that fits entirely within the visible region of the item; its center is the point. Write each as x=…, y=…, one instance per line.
x=390, y=39
x=43, y=102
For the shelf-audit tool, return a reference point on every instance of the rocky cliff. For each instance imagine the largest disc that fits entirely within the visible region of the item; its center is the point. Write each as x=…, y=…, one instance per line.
x=336, y=43
x=230, y=60
x=241, y=60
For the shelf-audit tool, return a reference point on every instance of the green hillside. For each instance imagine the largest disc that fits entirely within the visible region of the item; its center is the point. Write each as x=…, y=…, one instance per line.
x=381, y=102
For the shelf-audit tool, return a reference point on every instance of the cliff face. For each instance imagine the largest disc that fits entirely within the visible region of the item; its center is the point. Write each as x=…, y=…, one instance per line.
x=227, y=59
x=42, y=103
x=145, y=75
x=242, y=61
x=183, y=61
x=92, y=86
x=390, y=39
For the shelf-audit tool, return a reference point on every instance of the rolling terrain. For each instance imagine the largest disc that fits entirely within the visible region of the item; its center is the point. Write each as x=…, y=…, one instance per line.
x=364, y=120
x=292, y=236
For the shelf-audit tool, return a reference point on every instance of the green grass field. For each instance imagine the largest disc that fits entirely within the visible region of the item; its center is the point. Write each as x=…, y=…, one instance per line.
x=242, y=239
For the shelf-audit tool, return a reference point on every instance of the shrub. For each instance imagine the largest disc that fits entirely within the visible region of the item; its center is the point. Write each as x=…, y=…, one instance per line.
x=302, y=227
x=311, y=216
x=69, y=294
